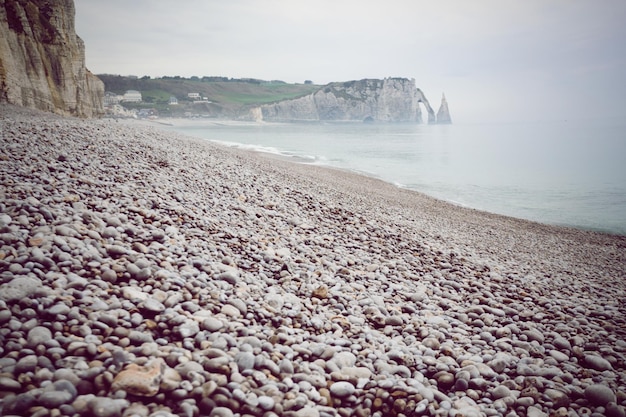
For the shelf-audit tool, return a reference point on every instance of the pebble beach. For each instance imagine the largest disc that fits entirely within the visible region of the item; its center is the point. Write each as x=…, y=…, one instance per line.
x=148, y=274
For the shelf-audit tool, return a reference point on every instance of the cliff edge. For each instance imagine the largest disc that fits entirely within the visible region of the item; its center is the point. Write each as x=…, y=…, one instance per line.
x=42, y=60
x=388, y=100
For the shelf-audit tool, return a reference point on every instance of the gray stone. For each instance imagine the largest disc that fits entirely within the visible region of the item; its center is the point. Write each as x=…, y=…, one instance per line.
x=614, y=410
x=533, y=411
x=116, y=251
x=110, y=232
x=153, y=305
x=109, y=275
x=188, y=329
x=286, y=366
x=59, y=309
x=342, y=389
x=232, y=277
x=599, y=394
x=106, y=407
x=245, y=360
x=9, y=384
x=221, y=412
x=38, y=335
x=501, y=391
x=598, y=363
x=54, y=399
x=212, y=324
x=266, y=403
x=26, y=364
x=20, y=288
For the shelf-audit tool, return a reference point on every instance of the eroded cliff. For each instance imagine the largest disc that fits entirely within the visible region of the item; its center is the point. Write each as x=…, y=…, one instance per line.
x=42, y=60
x=388, y=100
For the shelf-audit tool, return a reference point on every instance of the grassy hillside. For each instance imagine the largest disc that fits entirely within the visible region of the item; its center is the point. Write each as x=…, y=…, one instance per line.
x=227, y=96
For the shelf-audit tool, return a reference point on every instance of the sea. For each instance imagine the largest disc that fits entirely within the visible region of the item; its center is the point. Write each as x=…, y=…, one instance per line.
x=560, y=173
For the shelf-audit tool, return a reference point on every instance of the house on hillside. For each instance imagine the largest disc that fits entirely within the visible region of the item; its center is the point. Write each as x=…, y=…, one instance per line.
x=193, y=96
x=111, y=99
x=132, y=96
x=173, y=100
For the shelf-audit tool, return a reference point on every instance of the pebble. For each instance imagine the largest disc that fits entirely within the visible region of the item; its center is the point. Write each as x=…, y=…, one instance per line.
x=147, y=275
x=212, y=324
x=342, y=389
x=599, y=394
x=139, y=380
x=38, y=335
x=221, y=412
x=598, y=363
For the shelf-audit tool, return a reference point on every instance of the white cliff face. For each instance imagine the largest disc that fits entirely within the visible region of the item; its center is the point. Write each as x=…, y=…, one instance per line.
x=443, y=115
x=42, y=60
x=388, y=100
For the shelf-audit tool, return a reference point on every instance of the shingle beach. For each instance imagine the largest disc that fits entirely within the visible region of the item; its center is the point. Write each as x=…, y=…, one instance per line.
x=144, y=273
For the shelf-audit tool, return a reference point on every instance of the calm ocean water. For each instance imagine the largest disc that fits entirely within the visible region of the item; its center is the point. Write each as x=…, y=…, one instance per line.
x=564, y=173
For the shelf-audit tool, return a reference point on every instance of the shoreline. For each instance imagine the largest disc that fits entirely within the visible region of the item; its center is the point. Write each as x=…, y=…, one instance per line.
x=155, y=272
x=581, y=223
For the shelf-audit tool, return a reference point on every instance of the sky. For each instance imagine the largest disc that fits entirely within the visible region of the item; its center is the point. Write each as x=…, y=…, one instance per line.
x=495, y=60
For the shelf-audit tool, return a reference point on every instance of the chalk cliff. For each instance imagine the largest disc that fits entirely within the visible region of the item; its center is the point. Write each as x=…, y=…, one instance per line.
x=388, y=100
x=443, y=115
x=42, y=60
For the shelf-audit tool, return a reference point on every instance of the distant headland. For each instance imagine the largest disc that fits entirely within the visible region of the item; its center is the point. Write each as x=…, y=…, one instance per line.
x=367, y=100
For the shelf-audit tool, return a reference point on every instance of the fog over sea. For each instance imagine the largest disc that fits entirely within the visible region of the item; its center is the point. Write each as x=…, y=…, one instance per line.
x=561, y=173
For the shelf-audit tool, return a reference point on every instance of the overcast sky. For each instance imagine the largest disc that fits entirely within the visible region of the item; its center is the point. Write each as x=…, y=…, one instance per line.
x=496, y=60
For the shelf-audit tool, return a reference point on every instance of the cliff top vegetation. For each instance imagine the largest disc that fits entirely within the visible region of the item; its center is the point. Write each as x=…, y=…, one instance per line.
x=228, y=93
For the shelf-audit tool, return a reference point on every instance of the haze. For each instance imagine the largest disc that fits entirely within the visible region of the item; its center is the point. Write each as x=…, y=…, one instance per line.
x=502, y=61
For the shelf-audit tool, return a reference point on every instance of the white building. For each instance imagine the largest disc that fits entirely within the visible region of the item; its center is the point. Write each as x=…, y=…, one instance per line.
x=173, y=100
x=111, y=99
x=194, y=96
x=132, y=96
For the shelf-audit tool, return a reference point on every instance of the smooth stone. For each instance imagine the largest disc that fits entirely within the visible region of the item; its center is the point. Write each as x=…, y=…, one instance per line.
x=342, y=389
x=307, y=412
x=5, y=316
x=9, y=384
x=501, y=391
x=245, y=360
x=221, y=412
x=54, y=399
x=598, y=363
x=59, y=309
x=188, y=329
x=26, y=364
x=614, y=410
x=109, y=275
x=212, y=324
x=230, y=311
x=38, y=335
x=109, y=232
x=286, y=366
x=21, y=288
x=106, y=407
x=558, y=398
x=533, y=411
x=343, y=359
x=562, y=343
x=265, y=402
x=559, y=356
x=231, y=277
x=153, y=305
x=599, y=394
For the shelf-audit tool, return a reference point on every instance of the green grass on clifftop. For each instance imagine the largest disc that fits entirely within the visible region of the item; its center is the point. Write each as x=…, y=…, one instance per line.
x=228, y=93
